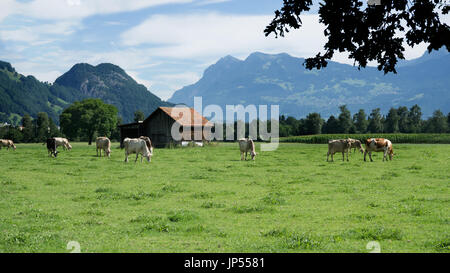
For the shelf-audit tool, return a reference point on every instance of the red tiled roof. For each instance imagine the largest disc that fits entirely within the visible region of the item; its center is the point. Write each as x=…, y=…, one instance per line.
x=186, y=116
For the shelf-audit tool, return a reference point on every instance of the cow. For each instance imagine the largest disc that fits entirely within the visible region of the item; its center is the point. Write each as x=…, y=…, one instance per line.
x=64, y=142
x=354, y=143
x=136, y=146
x=51, y=147
x=148, y=142
x=103, y=143
x=338, y=146
x=7, y=143
x=247, y=145
x=379, y=145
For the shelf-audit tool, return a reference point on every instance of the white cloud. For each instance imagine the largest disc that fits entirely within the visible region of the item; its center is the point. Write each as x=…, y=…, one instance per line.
x=76, y=9
x=39, y=33
x=209, y=2
x=213, y=34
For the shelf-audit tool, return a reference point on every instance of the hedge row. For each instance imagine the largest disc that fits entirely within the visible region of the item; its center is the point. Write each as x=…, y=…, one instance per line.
x=395, y=138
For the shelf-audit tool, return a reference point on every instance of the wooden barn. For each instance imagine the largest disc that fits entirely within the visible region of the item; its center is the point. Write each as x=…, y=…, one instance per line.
x=158, y=126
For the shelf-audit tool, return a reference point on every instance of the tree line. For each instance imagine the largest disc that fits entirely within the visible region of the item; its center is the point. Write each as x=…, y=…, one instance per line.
x=397, y=120
x=81, y=121
x=89, y=118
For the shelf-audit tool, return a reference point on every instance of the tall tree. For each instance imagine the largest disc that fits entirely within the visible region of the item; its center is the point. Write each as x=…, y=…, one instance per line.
x=375, y=121
x=138, y=116
x=392, y=120
x=345, y=120
x=331, y=126
x=448, y=121
x=415, y=119
x=87, y=118
x=42, y=128
x=313, y=124
x=28, y=128
x=369, y=32
x=360, y=121
x=437, y=123
x=53, y=129
x=403, y=119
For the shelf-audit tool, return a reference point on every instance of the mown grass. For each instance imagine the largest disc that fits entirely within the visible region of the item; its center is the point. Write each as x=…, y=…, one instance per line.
x=206, y=199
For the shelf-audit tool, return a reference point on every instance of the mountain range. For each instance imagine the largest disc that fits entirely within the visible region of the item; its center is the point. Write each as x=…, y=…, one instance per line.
x=21, y=94
x=265, y=79
x=260, y=79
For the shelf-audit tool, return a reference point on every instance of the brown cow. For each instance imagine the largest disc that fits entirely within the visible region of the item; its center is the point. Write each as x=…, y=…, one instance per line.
x=338, y=146
x=379, y=145
x=354, y=143
x=148, y=142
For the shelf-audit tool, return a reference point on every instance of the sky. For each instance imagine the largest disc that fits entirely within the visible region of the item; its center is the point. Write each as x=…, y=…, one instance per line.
x=162, y=44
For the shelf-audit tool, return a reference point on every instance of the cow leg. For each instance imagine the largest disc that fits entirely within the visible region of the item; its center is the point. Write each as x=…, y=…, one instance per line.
x=328, y=154
x=384, y=155
x=365, y=153
x=137, y=155
x=347, y=155
x=126, y=156
x=242, y=155
x=370, y=156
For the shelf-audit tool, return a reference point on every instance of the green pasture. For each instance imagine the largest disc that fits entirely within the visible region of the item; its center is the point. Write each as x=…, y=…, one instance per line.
x=205, y=199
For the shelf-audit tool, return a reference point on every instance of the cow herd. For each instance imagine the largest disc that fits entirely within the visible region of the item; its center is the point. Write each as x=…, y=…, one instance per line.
x=143, y=146
x=372, y=145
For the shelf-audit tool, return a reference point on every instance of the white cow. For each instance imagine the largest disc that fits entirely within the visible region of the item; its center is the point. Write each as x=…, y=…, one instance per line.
x=338, y=146
x=103, y=143
x=246, y=145
x=64, y=142
x=7, y=143
x=136, y=146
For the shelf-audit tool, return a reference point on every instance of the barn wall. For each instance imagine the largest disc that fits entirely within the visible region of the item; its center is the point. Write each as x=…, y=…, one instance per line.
x=158, y=128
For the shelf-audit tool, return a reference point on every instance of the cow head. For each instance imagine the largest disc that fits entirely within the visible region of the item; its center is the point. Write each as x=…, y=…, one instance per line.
x=253, y=154
x=55, y=153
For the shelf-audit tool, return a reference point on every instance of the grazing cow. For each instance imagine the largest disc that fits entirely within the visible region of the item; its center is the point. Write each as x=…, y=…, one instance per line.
x=103, y=143
x=338, y=146
x=51, y=147
x=148, y=142
x=64, y=142
x=246, y=145
x=7, y=143
x=354, y=143
x=136, y=146
x=379, y=145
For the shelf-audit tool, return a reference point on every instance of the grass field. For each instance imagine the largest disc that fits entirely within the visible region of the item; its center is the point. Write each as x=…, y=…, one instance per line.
x=205, y=199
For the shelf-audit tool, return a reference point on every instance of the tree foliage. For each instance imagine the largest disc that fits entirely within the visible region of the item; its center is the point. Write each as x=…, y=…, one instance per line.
x=369, y=32
x=87, y=118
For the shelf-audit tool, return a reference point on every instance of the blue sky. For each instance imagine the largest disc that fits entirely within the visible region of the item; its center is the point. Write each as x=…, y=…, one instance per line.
x=163, y=44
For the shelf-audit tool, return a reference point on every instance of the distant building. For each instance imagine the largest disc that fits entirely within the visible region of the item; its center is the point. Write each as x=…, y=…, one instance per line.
x=158, y=126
